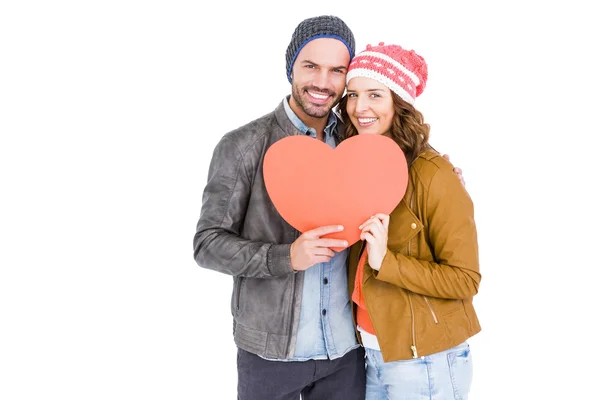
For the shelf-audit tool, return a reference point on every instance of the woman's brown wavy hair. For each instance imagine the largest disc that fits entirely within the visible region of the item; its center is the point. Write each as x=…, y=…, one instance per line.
x=408, y=128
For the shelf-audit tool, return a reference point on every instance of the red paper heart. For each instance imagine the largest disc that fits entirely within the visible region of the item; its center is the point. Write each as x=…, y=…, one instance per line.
x=313, y=185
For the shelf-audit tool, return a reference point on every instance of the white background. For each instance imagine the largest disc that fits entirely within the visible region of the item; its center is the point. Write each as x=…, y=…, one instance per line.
x=109, y=112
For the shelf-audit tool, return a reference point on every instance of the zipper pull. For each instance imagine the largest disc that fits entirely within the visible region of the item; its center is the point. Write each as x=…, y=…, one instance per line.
x=414, y=351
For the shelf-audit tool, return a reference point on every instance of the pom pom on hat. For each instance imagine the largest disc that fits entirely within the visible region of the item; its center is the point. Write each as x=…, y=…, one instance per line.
x=404, y=72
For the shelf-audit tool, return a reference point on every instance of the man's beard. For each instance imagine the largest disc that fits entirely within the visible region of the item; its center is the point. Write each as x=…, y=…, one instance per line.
x=310, y=109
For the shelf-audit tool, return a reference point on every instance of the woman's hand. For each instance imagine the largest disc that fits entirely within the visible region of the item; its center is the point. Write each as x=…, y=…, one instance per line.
x=375, y=232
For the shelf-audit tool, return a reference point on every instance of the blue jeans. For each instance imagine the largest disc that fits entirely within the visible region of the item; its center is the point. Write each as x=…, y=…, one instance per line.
x=445, y=375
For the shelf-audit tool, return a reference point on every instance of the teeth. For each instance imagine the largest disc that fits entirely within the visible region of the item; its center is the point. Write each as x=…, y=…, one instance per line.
x=318, y=96
x=366, y=120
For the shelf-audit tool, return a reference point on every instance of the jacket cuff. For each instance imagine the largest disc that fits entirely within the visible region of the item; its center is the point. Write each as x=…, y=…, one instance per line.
x=278, y=260
x=387, y=270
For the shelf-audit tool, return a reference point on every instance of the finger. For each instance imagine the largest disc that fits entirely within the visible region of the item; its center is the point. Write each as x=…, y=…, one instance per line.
x=376, y=222
x=446, y=156
x=369, y=238
x=322, y=231
x=457, y=170
x=325, y=242
x=323, y=251
x=321, y=259
x=377, y=230
x=366, y=226
x=384, y=218
x=366, y=222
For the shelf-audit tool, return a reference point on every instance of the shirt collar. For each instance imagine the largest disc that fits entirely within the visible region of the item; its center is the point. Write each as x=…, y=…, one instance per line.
x=298, y=124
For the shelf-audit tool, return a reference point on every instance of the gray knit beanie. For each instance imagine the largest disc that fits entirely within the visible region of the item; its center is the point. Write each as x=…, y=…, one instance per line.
x=325, y=26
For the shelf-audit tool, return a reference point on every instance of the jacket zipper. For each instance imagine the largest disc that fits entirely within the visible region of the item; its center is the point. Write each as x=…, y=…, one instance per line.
x=413, y=347
x=238, y=294
x=291, y=321
x=430, y=309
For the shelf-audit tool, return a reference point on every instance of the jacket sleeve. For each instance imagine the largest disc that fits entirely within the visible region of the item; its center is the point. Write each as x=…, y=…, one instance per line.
x=217, y=242
x=453, y=240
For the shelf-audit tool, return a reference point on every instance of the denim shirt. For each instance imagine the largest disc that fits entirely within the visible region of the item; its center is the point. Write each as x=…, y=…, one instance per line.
x=326, y=329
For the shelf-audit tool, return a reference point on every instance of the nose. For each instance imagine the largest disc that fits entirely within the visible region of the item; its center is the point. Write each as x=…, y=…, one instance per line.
x=321, y=80
x=362, y=103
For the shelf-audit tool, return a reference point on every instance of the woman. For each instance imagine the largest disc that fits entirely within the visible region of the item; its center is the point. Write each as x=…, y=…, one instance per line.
x=414, y=274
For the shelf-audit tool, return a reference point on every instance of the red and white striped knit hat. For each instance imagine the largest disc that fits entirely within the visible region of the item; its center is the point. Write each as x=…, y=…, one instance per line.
x=403, y=71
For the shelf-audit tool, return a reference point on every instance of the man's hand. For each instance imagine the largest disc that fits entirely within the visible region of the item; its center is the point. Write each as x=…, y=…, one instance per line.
x=456, y=170
x=310, y=249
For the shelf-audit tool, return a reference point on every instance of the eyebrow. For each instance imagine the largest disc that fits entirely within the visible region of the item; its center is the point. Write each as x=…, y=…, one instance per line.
x=314, y=63
x=368, y=90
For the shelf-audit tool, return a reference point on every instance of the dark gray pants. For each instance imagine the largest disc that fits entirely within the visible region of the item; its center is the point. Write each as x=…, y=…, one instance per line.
x=339, y=379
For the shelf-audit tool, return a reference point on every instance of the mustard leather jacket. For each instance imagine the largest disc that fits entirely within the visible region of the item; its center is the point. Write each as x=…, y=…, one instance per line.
x=421, y=300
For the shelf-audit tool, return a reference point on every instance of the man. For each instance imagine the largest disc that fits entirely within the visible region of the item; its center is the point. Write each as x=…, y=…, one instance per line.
x=292, y=313
x=292, y=317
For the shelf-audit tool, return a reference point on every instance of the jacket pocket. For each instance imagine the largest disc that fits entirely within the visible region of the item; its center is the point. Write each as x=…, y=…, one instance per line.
x=431, y=310
x=237, y=293
x=457, y=323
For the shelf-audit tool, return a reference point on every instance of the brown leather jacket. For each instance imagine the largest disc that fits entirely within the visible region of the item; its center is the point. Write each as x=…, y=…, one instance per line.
x=420, y=301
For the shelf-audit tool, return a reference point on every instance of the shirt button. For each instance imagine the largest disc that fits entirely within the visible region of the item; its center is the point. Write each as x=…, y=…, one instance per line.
x=325, y=281
x=324, y=312
x=413, y=225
